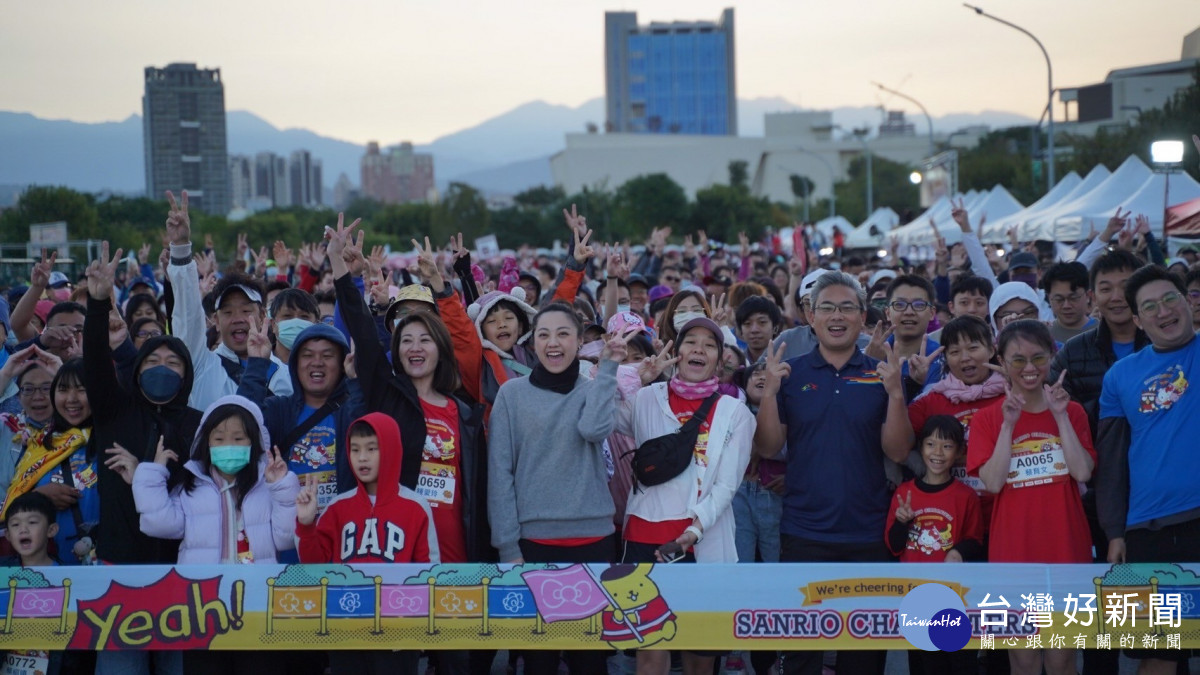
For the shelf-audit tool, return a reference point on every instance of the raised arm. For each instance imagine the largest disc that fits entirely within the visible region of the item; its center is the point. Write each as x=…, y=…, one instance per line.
x=770, y=431
x=99, y=374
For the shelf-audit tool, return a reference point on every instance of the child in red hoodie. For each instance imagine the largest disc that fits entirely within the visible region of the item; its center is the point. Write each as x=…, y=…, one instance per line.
x=380, y=520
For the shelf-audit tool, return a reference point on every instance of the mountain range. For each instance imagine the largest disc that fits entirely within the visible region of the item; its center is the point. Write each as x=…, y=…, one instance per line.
x=504, y=154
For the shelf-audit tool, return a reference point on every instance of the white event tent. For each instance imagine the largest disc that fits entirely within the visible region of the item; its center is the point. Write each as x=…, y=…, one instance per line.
x=996, y=203
x=1146, y=200
x=996, y=230
x=883, y=220
x=1106, y=196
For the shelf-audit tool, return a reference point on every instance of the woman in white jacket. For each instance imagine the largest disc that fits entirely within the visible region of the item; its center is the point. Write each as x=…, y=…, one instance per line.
x=692, y=509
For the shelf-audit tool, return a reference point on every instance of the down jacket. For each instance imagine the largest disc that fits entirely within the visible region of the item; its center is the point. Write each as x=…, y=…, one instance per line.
x=268, y=511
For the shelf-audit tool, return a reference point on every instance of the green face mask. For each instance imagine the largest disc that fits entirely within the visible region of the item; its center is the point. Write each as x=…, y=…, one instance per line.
x=229, y=459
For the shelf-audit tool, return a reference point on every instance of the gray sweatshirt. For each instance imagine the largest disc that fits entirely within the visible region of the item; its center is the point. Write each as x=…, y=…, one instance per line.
x=546, y=471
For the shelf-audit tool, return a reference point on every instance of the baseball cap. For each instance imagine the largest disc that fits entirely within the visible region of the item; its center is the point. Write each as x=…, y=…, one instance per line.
x=809, y=280
x=881, y=274
x=621, y=321
x=250, y=292
x=1022, y=259
x=58, y=280
x=660, y=291
x=705, y=323
x=637, y=279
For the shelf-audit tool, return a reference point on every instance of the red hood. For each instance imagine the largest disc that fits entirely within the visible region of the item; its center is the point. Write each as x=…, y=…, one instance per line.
x=390, y=451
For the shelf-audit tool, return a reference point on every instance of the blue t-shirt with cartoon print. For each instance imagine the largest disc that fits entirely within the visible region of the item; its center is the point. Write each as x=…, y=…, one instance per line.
x=1152, y=390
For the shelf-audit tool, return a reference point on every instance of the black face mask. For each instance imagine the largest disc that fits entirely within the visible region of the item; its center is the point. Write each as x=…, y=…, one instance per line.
x=160, y=384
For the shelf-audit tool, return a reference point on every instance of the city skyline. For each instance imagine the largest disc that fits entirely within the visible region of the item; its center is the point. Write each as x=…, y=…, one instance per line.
x=350, y=72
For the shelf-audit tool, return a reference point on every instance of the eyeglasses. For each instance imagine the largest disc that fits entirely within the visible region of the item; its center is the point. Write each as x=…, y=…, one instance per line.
x=1072, y=298
x=1019, y=362
x=1025, y=313
x=828, y=308
x=1169, y=301
x=879, y=303
x=30, y=390
x=144, y=334
x=902, y=305
x=671, y=280
x=1194, y=295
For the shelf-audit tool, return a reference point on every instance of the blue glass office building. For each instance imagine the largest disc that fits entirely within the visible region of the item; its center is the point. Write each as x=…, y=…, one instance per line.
x=670, y=78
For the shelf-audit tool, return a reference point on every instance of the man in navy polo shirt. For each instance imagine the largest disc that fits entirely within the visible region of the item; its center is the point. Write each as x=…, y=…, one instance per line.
x=840, y=412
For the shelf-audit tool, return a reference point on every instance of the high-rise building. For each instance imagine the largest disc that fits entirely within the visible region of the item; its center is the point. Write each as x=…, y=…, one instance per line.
x=241, y=181
x=398, y=175
x=304, y=179
x=670, y=78
x=183, y=128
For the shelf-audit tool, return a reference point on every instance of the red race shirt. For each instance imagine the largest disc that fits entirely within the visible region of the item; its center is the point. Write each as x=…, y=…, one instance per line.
x=941, y=520
x=937, y=404
x=1038, y=516
x=648, y=532
x=440, y=482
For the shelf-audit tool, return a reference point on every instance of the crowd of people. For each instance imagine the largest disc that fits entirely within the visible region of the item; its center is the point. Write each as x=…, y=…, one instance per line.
x=329, y=403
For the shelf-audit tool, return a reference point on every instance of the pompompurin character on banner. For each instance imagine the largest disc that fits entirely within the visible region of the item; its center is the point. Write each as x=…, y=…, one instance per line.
x=639, y=616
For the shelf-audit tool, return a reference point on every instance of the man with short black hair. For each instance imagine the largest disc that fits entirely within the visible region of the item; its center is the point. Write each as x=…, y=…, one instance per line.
x=1023, y=267
x=1146, y=474
x=238, y=303
x=758, y=320
x=1066, y=286
x=840, y=412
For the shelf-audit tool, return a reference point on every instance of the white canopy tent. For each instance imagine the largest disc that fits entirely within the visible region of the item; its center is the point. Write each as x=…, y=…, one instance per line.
x=1146, y=200
x=1104, y=197
x=883, y=220
x=826, y=226
x=996, y=228
x=996, y=202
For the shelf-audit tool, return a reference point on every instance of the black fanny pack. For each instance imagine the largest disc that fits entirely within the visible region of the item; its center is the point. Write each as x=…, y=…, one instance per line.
x=660, y=459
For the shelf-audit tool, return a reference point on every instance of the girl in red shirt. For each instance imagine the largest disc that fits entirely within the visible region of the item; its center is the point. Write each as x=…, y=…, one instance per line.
x=1032, y=450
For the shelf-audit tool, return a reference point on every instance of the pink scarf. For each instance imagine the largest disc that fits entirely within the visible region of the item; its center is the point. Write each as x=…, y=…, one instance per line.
x=693, y=391
x=958, y=392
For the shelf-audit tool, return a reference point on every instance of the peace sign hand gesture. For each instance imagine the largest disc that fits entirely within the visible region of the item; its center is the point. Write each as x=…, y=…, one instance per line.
x=904, y=512
x=276, y=467
x=583, y=252
x=427, y=267
x=890, y=371
x=616, y=347
x=720, y=309
x=576, y=222
x=40, y=276
x=1014, y=401
x=653, y=366
x=306, y=500
x=1057, y=397
x=258, y=340
x=777, y=369
x=179, y=225
x=101, y=273
x=339, y=238
x=1115, y=224
x=918, y=365
x=879, y=338
x=959, y=214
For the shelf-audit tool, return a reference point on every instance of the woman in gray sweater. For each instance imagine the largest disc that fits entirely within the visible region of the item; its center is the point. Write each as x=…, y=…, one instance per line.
x=548, y=498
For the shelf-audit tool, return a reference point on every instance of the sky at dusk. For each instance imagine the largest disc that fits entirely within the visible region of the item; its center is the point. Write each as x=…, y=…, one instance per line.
x=404, y=69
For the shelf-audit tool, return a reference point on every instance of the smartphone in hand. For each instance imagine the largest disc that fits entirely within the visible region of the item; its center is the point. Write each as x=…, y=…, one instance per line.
x=670, y=552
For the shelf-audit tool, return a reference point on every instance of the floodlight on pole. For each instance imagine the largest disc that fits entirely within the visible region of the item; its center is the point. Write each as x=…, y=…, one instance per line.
x=915, y=178
x=1167, y=156
x=1049, y=89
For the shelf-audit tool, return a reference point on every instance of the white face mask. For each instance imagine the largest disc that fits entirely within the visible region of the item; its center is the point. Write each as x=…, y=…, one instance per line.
x=622, y=308
x=681, y=318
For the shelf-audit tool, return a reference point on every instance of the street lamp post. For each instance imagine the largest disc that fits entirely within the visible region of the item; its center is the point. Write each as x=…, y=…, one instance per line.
x=860, y=136
x=1167, y=156
x=928, y=119
x=1049, y=90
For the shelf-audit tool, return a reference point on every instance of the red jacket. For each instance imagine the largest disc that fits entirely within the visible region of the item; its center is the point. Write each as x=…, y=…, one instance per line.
x=398, y=527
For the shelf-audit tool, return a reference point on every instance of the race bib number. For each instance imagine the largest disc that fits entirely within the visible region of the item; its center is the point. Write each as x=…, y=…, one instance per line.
x=28, y=662
x=326, y=489
x=959, y=473
x=436, y=483
x=1037, y=461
